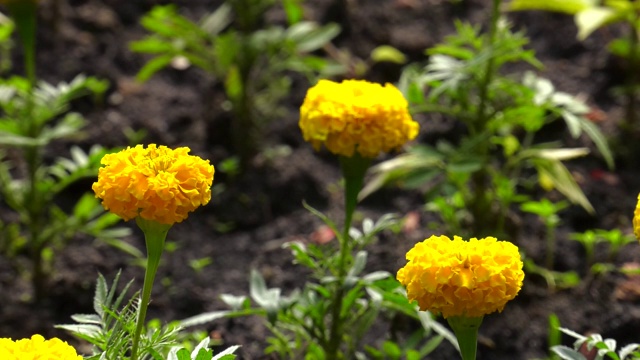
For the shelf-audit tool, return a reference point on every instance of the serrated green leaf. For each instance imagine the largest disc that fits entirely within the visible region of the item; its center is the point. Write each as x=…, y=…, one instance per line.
x=203, y=354
x=90, y=331
x=100, y=295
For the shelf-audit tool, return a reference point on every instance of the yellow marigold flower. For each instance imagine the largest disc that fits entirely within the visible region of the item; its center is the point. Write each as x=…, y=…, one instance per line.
x=636, y=220
x=37, y=348
x=356, y=115
x=156, y=183
x=462, y=278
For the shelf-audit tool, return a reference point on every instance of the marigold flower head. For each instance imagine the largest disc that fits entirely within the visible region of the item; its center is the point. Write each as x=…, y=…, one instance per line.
x=636, y=220
x=156, y=183
x=358, y=116
x=37, y=348
x=462, y=278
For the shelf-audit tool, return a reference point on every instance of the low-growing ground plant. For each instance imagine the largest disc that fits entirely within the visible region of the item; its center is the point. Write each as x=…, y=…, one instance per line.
x=595, y=347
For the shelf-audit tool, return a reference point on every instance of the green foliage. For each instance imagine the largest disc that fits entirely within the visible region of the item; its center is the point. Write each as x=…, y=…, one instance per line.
x=110, y=330
x=473, y=183
x=590, y=238
x=548, y=212
x=602, y=348
x=252, y=62
x=591, y=15
x=31, y=119
x=555, y=280
x=300, y=322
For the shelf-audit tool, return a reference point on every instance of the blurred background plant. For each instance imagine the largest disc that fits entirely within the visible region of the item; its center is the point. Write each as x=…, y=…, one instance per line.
x=548, y=213
x=33, y=116
x=590, y=16
x=473, y=183
x=614, y=239
x=253, y=60
x=595, y=347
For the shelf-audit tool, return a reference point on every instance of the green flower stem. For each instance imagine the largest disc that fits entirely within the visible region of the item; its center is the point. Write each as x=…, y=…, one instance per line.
x=154, y=235
x=353, y=171
x=466, y=330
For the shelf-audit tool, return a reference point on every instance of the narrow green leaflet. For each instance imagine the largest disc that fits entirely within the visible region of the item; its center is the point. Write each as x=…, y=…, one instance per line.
x=570, y=7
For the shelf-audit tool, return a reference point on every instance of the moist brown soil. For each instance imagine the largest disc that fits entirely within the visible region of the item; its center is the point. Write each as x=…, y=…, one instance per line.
x=263, y=208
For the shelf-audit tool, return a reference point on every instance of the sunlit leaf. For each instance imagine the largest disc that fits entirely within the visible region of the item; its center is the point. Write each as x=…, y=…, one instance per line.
x=591, y=19
x=386, y=53
x=565, y=6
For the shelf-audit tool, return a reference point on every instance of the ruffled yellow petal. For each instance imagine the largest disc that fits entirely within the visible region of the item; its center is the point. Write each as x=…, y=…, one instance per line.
x=37, y=348
x=155, y=183
x=462, y=278
x=636, y=220
x=356, y=116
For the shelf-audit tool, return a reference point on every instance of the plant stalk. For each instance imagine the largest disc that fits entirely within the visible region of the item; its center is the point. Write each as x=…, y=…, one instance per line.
x=24, y=14
x=154, y=235
x=481, y=204
x=466, y=331
x=353, y=171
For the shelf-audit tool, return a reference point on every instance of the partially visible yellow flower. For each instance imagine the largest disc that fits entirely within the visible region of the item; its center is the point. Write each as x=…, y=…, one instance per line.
x=156, y=183
x=37, y=348
x=636, y=220
x=356, y=116
x=462, y=278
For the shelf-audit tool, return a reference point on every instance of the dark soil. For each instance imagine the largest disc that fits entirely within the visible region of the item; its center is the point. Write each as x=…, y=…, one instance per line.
x=263, y=208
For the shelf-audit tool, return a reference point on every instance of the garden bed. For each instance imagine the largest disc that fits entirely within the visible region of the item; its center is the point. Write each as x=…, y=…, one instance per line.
x=245, y=226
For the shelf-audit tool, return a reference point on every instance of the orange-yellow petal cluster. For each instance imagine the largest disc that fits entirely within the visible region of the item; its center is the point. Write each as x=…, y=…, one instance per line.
x=462, y=278
x=156, y=183
x=357, y=116
x=636, y=220
x=37, y=348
